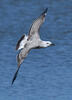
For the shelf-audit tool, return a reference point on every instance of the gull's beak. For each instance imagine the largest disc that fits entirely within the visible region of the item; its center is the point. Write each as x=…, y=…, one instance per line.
x=52, y=44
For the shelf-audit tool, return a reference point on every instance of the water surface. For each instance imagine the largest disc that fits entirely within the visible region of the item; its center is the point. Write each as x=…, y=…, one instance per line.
x=46, y=74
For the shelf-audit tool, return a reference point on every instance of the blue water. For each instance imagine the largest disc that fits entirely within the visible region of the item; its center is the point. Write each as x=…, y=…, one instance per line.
x=46, y=74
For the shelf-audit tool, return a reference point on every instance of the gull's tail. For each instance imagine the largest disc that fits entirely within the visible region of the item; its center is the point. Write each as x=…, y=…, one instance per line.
x=15, y=75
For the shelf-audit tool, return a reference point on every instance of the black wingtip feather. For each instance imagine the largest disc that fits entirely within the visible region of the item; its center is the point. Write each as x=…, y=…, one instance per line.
x=15, y=75
x=45, y=11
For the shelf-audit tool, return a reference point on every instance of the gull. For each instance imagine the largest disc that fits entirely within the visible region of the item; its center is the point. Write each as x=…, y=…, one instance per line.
x=31, y=41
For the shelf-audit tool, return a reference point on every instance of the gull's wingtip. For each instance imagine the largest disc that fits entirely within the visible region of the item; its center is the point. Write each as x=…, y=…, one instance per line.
x=45, y=11
x=15, y=75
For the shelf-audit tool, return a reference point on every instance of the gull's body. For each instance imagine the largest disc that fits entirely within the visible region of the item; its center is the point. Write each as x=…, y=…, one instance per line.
x=32, y=41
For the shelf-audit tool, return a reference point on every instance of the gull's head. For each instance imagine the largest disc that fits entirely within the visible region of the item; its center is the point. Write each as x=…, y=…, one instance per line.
x=48, y=43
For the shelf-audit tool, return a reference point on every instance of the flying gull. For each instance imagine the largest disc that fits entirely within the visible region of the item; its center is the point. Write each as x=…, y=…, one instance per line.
x=32, y=41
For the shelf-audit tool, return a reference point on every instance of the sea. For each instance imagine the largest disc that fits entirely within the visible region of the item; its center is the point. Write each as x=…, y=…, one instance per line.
x=46, y=74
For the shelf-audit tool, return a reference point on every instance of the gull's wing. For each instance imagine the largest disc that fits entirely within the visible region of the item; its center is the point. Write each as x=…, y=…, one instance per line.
x=20, y=58
x=21, y=42
x=34, y=30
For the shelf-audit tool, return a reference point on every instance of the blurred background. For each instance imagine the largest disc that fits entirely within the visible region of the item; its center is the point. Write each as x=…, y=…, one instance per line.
x=46, y=74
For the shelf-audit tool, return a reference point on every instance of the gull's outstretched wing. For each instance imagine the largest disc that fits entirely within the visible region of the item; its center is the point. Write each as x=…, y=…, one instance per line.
x=36, y=25
x=21, y=42
x=20, y=58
